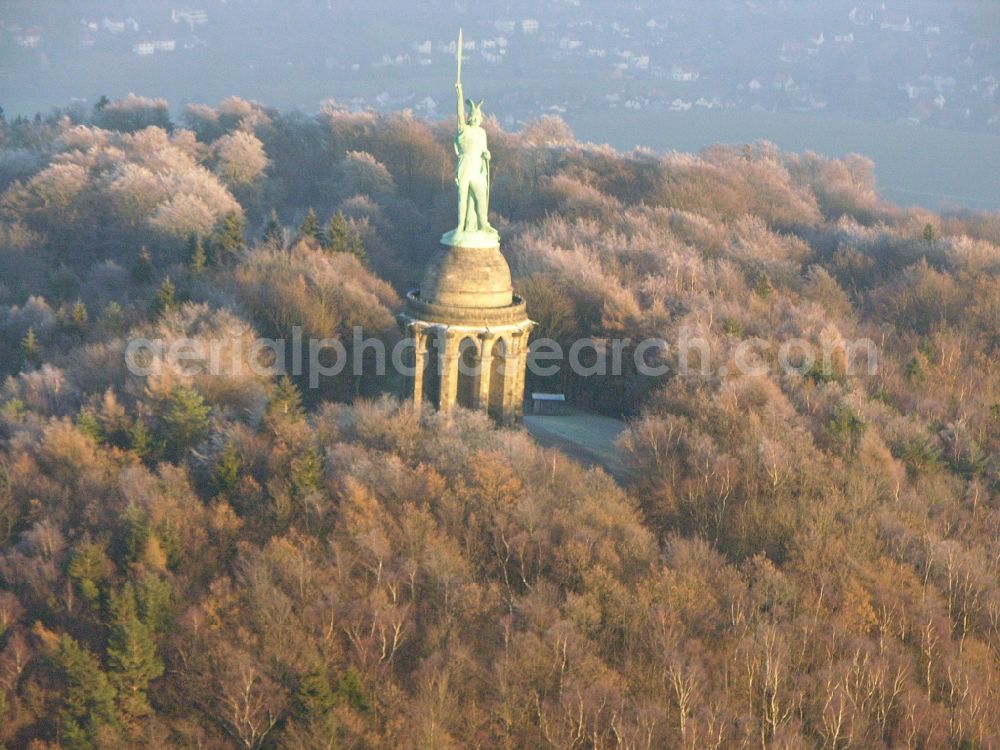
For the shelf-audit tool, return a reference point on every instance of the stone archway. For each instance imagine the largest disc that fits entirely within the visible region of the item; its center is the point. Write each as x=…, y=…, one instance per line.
x=432, y=371
x=468, y=369
x=498, y=375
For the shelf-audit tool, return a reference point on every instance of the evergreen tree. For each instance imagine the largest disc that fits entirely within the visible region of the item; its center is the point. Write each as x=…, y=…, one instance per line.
x=310, y=226
x=287, y=400
x=113, y=318
x=142, y=441
x=78, y=316
x=88, y=703
x=186, y=421
x=307, y=472
x=274, y=233
x=165, y=297
x=845, y=429
x=228, y=470
x=227, y=240
x=197, y=259
x=30, y=350
x=135, y=534
x=87, y=423
x=337, y=233
x=142, y=269
x=350, y=690
x=342, y=238
x=929, y=235
x=132, y=655
x=154, y=597
x=763, y=286
x=87, y=570
x=314, y=696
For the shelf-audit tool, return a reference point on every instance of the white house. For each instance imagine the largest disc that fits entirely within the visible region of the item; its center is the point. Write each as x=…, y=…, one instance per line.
x=31, y=38
x=529, y=26
x=684, y=73
x=191, y=17
x=144, y=49
x=896, y=21
x=783, y=82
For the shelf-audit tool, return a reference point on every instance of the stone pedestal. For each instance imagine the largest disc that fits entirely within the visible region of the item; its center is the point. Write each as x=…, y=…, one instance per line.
x=480, y=328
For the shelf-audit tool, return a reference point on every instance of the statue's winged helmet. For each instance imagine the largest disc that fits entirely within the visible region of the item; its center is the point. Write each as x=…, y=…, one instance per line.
x=476, y=115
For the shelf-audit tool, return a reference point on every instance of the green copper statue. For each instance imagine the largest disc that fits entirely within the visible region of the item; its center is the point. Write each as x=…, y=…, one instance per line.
x=472, y=174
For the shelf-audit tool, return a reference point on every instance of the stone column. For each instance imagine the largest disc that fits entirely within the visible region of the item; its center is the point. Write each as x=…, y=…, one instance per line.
x=448, y=370
x=522, y=364
x=419, y=363
x=485, y=370
x=511, y=363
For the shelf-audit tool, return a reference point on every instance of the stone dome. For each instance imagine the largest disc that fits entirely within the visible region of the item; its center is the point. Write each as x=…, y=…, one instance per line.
x=468, y=277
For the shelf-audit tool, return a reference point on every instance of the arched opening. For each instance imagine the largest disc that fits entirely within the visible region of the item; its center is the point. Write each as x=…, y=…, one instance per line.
x=497, y=375
x=468, y=371
x=432, y=371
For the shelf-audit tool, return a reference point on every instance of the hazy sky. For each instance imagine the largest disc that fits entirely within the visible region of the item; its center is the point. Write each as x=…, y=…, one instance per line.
x=888, y=80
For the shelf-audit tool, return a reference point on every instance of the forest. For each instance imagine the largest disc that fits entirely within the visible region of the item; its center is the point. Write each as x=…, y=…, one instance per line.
x=804, y=559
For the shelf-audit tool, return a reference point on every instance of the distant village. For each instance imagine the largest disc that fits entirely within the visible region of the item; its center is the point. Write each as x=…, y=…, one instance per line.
x=631, y=59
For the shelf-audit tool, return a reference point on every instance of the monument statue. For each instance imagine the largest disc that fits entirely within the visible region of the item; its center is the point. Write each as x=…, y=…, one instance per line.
x=470, y=331
x=472, y=173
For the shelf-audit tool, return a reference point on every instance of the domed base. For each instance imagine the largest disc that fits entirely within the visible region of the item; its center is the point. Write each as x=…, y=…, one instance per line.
x=463, y=276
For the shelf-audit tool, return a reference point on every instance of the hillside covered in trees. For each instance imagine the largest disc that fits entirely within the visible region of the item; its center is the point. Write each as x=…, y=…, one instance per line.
x=805, y=559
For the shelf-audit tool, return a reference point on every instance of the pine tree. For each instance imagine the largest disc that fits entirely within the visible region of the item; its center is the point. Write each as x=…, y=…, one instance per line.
x=88, y=570
x=186, y=420
x=154, y=597
x=88, y=699
x=228, y=470
x=87, y=423
x=113, y=318
x=337, y=233
x=310, y=226
x=314, y=696
x=79, y=317
x=165, y=297
x=287, y=400
x=135, y=534
x=142, y=269
x=307, y=472
x=228, y=242
x=274, y=233
x=132, y=656
x=30, y=350
x=197, y=259
x=142, y=441
x=342, y=238
x=929, y=235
